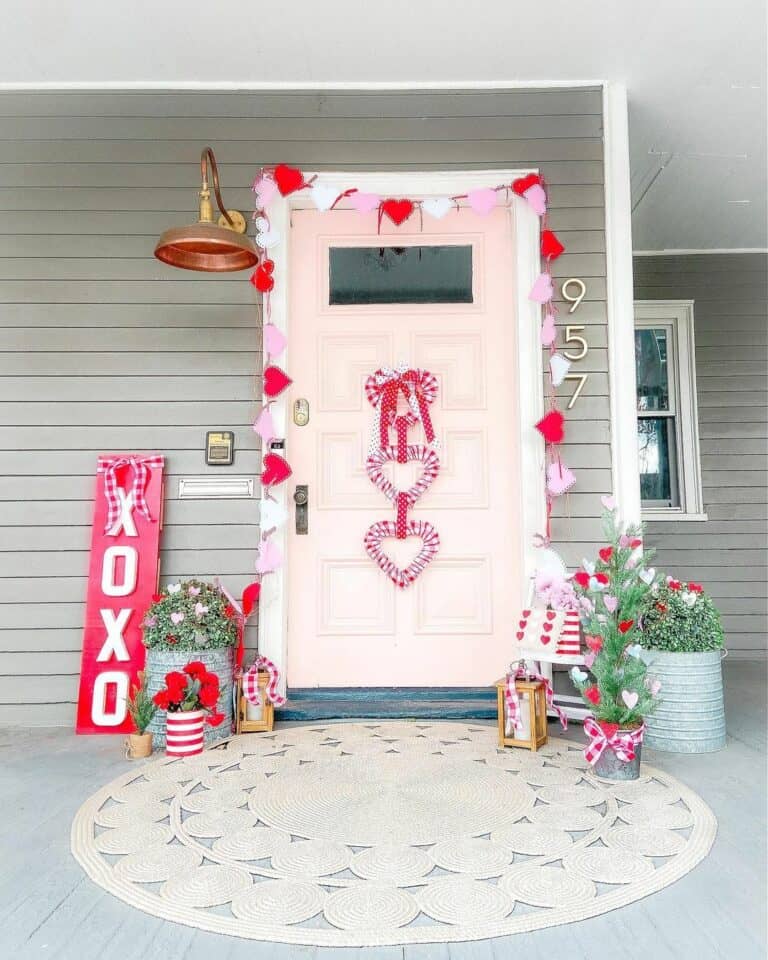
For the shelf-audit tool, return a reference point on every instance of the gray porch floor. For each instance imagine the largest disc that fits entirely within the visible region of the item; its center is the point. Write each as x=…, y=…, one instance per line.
x=50, y=909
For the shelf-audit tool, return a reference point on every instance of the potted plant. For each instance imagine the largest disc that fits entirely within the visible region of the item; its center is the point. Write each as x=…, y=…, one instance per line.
x=683, y=643
x=189, y=698
x=191, y=619
x=142, y=711
x=612, y=591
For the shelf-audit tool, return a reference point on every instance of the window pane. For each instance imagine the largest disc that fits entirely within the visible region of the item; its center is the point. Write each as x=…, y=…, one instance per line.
x=360, y=275
x=651, y=365
x=658, y=473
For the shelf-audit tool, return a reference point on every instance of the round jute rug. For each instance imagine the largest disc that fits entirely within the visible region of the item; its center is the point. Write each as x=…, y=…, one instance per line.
x=365, y=834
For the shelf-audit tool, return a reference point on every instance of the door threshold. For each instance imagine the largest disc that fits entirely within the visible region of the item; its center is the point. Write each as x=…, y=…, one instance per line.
x=387, y=703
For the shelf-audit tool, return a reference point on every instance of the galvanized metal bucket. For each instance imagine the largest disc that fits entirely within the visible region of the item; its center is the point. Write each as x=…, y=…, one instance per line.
x=610, y=767
x=219, y=661
x=690, y=717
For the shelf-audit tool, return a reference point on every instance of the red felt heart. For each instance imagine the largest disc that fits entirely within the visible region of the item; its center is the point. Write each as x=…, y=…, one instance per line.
x=275, y=471
x=551, y=427
x=608, y=728
x=526, y=613
x=626, y=625
x=525, y=183
x=551, y=614
x=374, y=466
x=288, y=179
x=551, y=248
x=250, y=597
x=275, y=381
x=268, y=265
x=398, y=211
x=387, y=529
x=262, y=279
x=605, y=554
x=582, y=578
x=547, y=627
x=544, y=638
x=519, y=634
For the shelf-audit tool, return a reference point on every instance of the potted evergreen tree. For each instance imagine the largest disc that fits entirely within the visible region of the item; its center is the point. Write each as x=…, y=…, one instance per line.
x=683, y=643
x=616, y=687
x=142, y=711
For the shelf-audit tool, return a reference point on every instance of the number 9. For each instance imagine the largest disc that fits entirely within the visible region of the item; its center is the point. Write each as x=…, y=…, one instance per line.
x=574, y=301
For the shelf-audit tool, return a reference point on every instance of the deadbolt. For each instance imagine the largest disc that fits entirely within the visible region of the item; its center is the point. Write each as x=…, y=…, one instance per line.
x=301, y=499
x=301, y=412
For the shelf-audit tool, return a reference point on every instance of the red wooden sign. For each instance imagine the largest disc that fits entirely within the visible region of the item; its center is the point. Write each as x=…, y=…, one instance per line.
x=122, y=578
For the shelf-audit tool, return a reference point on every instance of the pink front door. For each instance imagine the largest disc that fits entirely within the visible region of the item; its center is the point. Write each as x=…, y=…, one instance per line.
x=348, y=624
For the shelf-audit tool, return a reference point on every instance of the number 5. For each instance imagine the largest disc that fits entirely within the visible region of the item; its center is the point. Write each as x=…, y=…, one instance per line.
x=574, y=338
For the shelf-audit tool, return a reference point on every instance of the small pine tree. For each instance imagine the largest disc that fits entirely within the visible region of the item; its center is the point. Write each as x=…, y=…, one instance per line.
x=612, y=593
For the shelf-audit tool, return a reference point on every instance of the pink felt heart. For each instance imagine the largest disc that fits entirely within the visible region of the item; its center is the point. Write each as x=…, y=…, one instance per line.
x=364, y=202
x=550, y=614
x=589, y=659
x=416, y=452
x=482, y=200
x=610, y=603
x=274, y=340
x=630, y=698
x=275, y=470
x=270, y=557
x=177, y=618
x=654, y=686
x=537, y=199
x=265, y=190
x=386, y=530
x=264, y=426
x=559, y=478
x=608, y=502
x=542, y=291
x=548, y=331
x=275, y=381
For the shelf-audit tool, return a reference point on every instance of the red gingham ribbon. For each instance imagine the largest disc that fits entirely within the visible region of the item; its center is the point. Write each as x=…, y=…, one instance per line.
x=382, y=390
x=513, y=700
x=251, y=682
x=622, y=744
x=141, y=467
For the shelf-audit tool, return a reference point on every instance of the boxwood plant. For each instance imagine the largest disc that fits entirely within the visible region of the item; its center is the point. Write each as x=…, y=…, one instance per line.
x=680, y=618
x=190, y=615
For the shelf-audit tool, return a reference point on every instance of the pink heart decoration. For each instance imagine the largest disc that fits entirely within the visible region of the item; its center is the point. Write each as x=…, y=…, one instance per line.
x=274, y=340
x=177, y=618
x=270, y=557
x=387, y=529
x=630, y=698
x=364, y=202
x=610, y=603
x=265, y=190
x=374, y=466
x=542, y=291
x=437, y=207
x=559, y=478
x=537, y=199
x=482, y=200
x=624, y=541
x=589, y=659
x=608, y=502
x=548, y=331
x=558, y=367
x=654, y=686
x=264, y=426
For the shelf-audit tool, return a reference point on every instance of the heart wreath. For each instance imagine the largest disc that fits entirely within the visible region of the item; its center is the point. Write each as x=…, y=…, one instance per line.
x=415, y=452
x=386, y=530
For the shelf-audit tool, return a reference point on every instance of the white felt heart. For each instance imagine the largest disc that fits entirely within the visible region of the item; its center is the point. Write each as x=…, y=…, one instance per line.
x=594, y=584
x=272, y=514
x=267, y=238
x=578, y=676
x=634, y=650
x=558, y=367
x=437, y=207
x=630, y=698
x=647, y=575
x=323, y=195
x=549, y=561
x=688, y=598
x=588, y=566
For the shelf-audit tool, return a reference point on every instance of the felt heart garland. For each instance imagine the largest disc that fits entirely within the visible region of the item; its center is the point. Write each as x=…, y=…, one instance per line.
x=275, y=381
x=288, y=179
x=276, y=470
x=551, y=427
x=398, y=211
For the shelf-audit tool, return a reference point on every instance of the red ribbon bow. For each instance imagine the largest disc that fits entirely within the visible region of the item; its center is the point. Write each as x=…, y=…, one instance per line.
x=622, y=744
x=141, y=467
x=383, y=388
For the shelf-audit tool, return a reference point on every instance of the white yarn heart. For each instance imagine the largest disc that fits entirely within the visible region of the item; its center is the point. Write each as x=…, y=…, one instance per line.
x=437, y=207
x=630, y=698
x=323, y=195
x=267, y=238
x=261, y=224
x=558, y=367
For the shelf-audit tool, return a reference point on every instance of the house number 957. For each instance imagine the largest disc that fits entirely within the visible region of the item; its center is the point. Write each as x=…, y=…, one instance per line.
x=573, y=334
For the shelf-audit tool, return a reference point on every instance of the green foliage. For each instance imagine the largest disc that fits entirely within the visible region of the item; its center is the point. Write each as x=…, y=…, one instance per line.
x=140, y=705
x=681, y=620
x=208, y=619
x=620, y=574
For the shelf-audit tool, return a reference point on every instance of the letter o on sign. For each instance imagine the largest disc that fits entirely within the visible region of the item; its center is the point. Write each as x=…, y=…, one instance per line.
x=109, y=567
x=99, y=715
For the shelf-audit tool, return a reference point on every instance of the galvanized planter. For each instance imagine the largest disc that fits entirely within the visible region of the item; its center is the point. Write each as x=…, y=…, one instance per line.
x=690, y=717
x=219, y=661
x=610, y=767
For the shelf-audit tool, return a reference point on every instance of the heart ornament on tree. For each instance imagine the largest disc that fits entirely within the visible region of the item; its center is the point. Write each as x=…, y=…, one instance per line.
x=387, y=530
x=418, y=453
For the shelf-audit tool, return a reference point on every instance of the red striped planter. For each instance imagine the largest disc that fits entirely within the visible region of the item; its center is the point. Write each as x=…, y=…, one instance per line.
x=184, y=733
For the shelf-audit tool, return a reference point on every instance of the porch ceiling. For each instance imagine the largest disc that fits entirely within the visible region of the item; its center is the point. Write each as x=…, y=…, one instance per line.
x=695, y=72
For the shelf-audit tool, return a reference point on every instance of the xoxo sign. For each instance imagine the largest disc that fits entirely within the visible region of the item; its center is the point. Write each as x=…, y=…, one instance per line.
x=122, y=578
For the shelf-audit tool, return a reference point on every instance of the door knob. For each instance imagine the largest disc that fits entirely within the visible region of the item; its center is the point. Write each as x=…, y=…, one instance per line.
x=301, y=499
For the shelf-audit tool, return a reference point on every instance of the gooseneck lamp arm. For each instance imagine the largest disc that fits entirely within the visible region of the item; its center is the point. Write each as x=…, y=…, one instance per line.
x=207, y=160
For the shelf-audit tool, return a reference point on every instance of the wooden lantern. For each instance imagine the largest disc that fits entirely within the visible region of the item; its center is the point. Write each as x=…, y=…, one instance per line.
x=534, y=718
x=267, y=720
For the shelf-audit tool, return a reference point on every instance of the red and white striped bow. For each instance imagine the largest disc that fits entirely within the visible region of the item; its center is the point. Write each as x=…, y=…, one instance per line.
x=419, y=387
x=141, y=467
x=513, y=700
x=251, y=683
x=622, y=744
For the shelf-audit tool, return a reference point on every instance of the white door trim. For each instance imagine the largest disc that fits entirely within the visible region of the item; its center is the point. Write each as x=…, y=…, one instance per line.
x=525, y=367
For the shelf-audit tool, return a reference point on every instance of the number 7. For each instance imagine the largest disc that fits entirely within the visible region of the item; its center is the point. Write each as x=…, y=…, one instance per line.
x=582, y=378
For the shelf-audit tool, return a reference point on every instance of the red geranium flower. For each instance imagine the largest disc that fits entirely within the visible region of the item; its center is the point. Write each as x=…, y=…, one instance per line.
x=593, y=695
x=169, y=638
x=661, y=606
x=673, y=584
x=208, y=695
x=195, y=669
x=695, y=587
x=229, y=611
x=161, y=699
x=582, y=579
x=215, y=719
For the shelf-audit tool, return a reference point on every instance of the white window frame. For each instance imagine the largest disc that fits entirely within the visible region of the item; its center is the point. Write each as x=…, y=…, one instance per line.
x=676, y=317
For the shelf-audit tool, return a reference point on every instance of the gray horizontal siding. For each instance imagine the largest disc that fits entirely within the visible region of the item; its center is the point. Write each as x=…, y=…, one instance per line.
x=102, y=348
x=728, y=552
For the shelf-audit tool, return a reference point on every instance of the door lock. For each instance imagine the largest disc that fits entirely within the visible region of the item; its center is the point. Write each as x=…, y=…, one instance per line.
x=301, y=412
x=301, y=499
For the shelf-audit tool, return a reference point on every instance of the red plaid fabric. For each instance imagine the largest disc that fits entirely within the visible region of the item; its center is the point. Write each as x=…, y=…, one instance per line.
x=513, y=700
x=569, y=641
x=251, y=683
x=141, y=467
x=622, y=744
